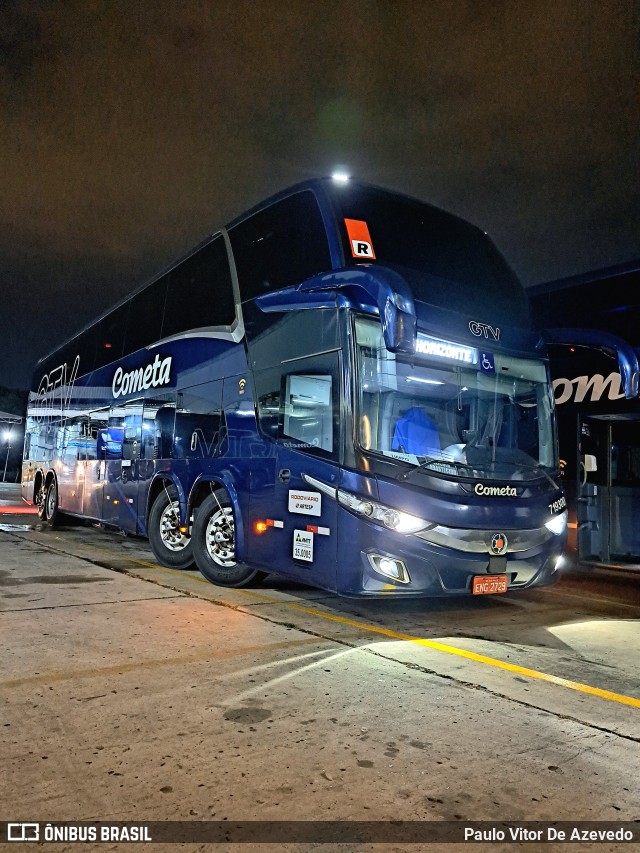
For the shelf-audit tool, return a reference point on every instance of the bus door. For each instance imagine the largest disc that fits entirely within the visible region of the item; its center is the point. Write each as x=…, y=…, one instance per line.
x=124, y=483
x=158, y=416
x=298, y=404
x=71, y=470
x=624, y=512
x=593, y=492
x=96, y=448
x=110, y=446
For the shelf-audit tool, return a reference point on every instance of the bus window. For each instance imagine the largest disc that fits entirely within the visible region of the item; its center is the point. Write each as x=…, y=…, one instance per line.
x=132, y=426
x=308, y=411
x=280, y=246
x=197, y=426
x=302, y=404
x=145, y=316
x=199, y=292
x=109, y=336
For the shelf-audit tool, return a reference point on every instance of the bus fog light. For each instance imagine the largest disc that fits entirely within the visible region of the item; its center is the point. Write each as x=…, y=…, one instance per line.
x=558, y=524
x=389, y=567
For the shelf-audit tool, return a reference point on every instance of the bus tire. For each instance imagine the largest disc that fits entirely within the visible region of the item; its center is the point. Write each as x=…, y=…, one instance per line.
x=214, y=544
x=49, y=507
x=40, y=500
x=171, y=547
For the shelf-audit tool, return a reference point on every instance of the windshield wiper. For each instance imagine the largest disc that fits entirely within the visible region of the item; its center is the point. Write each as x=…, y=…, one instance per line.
x=435, y=460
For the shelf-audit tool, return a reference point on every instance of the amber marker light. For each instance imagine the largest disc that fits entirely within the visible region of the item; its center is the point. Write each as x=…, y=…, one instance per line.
x=260, y=526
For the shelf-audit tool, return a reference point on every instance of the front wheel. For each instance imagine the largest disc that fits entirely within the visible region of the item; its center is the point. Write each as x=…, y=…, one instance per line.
x=172, y=547
x=214, y=544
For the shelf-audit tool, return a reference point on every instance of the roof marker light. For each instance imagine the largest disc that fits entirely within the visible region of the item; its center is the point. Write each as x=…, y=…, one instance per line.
x=341, y=177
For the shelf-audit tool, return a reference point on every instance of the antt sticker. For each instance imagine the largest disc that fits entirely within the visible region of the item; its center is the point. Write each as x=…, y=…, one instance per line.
x=303, y=545
x=360, y=239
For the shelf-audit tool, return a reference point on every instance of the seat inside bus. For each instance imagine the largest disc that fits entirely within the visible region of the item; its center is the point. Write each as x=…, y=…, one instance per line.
x=416, y=432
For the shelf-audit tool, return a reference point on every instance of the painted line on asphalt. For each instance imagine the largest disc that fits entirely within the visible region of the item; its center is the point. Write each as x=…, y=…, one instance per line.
x=409, y=638
x=443, y=647
x=483, y=659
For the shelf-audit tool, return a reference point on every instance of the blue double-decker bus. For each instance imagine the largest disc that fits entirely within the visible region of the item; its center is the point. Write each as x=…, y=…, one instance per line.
x=341, y=386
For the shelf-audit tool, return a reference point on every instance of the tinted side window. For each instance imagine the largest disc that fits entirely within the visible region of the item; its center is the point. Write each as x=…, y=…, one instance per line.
x=145, y=316
x=157, y=426
x=198, y=421
x=109, y=335
x=282, y=245
x=300, y=404
x=200, y=292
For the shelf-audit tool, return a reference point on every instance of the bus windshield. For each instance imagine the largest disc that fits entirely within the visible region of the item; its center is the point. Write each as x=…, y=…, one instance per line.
x=453, y=418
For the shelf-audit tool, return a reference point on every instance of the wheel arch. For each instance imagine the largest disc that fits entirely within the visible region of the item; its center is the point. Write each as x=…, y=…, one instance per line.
x=158, y=483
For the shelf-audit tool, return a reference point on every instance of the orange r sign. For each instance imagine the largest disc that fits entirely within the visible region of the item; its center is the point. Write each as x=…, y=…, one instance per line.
x=360, y=239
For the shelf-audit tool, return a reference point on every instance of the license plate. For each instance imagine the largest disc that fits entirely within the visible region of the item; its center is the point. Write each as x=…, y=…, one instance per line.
x=489, y=584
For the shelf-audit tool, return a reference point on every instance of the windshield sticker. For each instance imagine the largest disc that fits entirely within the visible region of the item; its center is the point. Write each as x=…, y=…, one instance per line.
x=360, y=239
x=404, y=457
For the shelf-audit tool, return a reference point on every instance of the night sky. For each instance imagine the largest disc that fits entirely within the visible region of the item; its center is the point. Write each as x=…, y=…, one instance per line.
x=132, y=130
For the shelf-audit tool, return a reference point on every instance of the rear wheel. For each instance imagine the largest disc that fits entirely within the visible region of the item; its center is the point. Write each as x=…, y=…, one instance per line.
x=172, y=547
x=48, y=509
x=214, y=544
x=40, y=501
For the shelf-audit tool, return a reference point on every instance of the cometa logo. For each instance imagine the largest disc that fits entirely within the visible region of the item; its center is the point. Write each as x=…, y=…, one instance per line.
x=152, y=376
x=495, y=491
x=587, y=388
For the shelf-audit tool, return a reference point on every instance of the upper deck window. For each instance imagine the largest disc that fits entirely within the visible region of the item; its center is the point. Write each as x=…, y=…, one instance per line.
x=440, y=255
x=199, y=292
x=280, y=246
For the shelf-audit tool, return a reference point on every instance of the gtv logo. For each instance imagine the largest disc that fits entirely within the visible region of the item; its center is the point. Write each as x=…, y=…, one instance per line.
x=577, y=389
x=483, y=330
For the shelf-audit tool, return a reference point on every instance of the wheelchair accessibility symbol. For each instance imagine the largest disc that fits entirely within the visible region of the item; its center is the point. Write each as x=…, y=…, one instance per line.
x=487, y=364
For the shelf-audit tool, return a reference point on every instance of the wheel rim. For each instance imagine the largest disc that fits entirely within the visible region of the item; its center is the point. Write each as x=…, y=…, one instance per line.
x=219, y=537
x=172, y=538
x=51, y=501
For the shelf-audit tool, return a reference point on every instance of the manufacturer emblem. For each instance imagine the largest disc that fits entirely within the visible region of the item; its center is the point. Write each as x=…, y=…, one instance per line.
x=482, y=330
x=499, y=543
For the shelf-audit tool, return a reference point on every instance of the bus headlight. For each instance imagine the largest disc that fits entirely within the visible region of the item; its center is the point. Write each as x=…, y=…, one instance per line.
x=392, y=519
x=558, y=524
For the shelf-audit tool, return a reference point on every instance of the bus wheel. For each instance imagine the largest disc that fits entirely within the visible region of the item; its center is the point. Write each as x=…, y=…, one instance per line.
x=48, y=510
x=214, y=544
x=40, y=501
x=171, y=547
